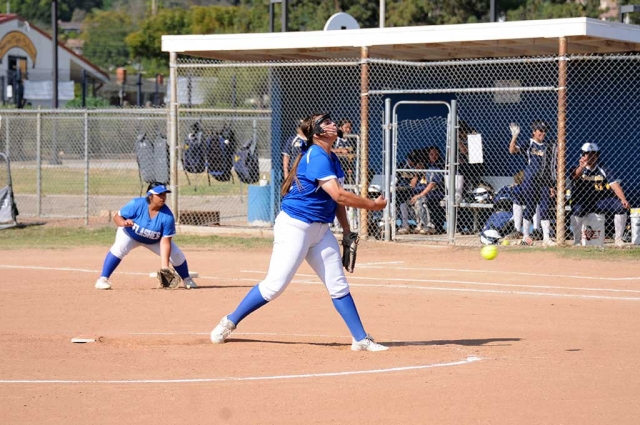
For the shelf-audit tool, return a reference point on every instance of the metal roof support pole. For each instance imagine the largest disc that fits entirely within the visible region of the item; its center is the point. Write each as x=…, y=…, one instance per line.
x=173, y=133
x=562, y=128
x=364, y=137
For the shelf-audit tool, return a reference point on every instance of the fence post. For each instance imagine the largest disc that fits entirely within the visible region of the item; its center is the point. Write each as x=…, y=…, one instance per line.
x=364, y=136
x=86, y=170
x=7, y=143
x=562, y=117
x=39, y=162
x=387, y=169
x=173, y=133
x=453, y=158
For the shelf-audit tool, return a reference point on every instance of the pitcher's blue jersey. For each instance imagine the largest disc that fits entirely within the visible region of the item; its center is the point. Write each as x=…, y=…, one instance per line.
x=306, y=201
x=145, y=229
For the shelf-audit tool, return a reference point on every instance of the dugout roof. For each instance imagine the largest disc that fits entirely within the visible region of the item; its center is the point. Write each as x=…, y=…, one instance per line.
x=434, y=42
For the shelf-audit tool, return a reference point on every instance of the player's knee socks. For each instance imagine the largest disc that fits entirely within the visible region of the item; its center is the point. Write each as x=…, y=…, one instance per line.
x=109, y=265
x=546, y=229
x=347, y=309
x=182, y=269
x=619, y=222
x=526, y=224
x=250, y=303
x=517, y=217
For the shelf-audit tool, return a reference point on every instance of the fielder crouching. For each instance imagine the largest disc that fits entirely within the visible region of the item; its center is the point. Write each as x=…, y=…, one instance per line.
x=146, y=221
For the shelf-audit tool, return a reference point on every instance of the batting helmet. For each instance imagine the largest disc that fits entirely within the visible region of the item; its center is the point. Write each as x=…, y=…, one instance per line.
x=490, y=237
x=540, y=125
x=481, y=195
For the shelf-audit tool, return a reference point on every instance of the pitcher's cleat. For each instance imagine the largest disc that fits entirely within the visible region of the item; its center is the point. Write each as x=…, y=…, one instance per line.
x=103, y=283
x=367, y=344
x=221, y=332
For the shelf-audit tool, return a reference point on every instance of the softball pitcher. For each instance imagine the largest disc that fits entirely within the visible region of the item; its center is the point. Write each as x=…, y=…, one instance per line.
x=148, y=222
x=312, y=197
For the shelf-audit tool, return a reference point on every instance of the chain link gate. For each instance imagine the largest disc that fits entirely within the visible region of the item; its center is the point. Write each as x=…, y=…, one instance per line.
x=419, y=179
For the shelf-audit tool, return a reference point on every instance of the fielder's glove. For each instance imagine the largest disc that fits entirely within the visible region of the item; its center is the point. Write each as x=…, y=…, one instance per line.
x=168, y=278
x=515, y=129
x=349, y=250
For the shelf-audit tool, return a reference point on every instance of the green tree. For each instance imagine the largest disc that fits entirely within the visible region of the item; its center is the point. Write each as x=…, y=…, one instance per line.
x=104, y=37
x=145, y=45
x=39, y=11
x=539, y=9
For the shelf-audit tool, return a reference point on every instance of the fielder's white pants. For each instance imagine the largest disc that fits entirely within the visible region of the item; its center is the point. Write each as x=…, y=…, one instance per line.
x=295, y=241
x=125, y=243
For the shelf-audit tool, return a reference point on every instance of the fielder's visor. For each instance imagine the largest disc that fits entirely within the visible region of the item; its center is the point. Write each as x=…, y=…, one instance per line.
x=158, y=190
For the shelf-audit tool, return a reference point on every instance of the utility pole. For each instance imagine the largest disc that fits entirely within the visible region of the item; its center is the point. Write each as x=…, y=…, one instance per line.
x=54, y=25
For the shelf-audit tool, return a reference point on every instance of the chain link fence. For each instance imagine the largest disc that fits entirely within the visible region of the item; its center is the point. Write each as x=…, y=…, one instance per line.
x=237, y=121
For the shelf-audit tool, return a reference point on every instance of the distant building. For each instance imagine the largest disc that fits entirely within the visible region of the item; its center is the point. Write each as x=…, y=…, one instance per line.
x=26, y=59
x=612, y=13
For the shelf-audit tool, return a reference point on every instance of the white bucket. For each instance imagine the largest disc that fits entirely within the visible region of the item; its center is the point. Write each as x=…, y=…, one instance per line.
x=593, y=230
x=635, y=226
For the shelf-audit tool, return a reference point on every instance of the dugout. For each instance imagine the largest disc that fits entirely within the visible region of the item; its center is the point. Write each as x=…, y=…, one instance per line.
x=581, y=75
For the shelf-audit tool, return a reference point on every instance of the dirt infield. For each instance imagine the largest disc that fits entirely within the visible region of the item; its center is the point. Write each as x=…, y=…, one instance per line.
x=529, y=338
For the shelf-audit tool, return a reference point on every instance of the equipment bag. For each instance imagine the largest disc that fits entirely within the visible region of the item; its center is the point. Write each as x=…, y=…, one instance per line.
x=246, y=164
x=194, y=154
x=220, y=149
x=153, y=159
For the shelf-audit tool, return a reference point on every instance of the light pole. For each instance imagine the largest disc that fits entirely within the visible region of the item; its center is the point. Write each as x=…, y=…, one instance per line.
x=54, y=25
x=55, y=160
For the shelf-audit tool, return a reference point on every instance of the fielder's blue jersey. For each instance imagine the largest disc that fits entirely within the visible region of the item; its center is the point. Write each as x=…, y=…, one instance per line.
x=541, y=161
x=593, y=185
x=307, y=201
x=145, y=229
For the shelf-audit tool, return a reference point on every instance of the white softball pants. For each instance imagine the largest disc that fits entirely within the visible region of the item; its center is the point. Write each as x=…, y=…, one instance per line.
x=295, y=241
x=125, y=243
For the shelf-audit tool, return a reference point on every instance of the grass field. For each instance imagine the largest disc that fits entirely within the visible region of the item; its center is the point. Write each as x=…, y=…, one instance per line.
x=69, y=237
x=72, y=237
x=71, y=181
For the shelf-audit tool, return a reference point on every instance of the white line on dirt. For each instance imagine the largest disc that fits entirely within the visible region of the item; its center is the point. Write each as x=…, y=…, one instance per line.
x=503, y=272
x=468, y=360
x=466, y=282
x=388, y=286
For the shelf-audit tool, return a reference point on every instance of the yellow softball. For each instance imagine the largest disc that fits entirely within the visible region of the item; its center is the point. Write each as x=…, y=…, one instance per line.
x=489, y=252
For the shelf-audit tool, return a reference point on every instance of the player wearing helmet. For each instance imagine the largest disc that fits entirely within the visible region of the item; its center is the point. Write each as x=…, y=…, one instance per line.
x=538, y=185
x=596, y=189
x=148, y=222
x=312, y=197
